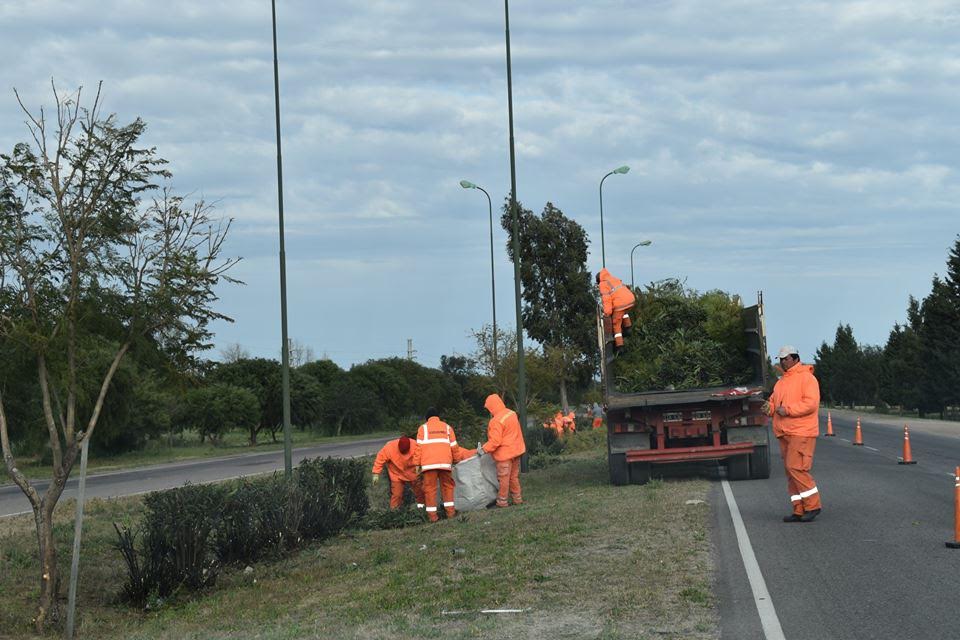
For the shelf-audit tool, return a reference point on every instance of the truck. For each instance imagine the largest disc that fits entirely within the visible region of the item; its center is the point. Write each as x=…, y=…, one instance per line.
x=651, y=429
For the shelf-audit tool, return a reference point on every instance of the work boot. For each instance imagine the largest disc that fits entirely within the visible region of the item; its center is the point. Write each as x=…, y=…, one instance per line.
x=793, y=517
x=810, y=515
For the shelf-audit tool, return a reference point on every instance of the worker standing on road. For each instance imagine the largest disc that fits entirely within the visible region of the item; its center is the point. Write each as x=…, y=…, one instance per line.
x=397, y=455
x=617, y=299
x=505, y=443
x=795, y=407
x=436, y=451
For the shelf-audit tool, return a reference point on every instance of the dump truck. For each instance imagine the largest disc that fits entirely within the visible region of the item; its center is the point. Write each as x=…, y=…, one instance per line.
x=725, y=423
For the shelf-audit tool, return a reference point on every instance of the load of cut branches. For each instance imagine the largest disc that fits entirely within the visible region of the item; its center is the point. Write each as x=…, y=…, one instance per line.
x=682, y=339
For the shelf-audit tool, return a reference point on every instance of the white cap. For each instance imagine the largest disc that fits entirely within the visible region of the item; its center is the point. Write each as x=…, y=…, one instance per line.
x=787, y=350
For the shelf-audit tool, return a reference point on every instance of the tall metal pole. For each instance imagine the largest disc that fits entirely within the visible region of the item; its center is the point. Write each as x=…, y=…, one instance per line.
x=603, y=246
x=285, y=376
x=77, y=530
x=521, y=368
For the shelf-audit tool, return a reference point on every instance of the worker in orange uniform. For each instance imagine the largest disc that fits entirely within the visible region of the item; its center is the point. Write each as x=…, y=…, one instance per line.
x=617, y=299
x=570, y=421
x=505, y=443
x=795, y=407
x=558, y=424
x=436, y=451
x=397, y=456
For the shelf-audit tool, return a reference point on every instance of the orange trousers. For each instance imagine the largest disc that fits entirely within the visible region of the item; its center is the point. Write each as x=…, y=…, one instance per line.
x=621, y=321
x=797, y=454
x=430, y=479
x=597, y=423
x=396, y=492
x=508, y=475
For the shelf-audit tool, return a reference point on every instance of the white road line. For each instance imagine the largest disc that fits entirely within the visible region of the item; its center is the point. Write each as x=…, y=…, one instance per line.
x=844, y=439
x=871, y=448
x=768, y=615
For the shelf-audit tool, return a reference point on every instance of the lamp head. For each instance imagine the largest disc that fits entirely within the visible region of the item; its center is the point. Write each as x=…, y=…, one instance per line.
x=645, y=243
x=622, y=169
x=466, y=184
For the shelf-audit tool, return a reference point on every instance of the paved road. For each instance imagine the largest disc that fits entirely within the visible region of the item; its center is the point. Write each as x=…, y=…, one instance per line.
x=166, y=476
x=874, y=564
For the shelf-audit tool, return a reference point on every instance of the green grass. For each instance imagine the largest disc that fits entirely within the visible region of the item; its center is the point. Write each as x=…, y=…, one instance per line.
x=581, y=558
x=187, y=447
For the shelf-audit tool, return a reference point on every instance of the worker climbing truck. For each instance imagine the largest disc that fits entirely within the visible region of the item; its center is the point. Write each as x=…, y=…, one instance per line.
x=647, y=430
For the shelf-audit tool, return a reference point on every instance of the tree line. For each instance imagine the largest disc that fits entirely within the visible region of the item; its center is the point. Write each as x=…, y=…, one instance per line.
x=918, y=369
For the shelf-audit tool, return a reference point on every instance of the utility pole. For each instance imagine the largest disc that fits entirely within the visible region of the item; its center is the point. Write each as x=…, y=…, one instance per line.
x=410, y=350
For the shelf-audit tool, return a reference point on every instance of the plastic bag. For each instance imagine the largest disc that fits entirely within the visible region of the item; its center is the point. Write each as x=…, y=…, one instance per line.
x=476, y=483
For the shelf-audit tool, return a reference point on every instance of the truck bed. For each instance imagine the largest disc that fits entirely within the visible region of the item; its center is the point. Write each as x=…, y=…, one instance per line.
x=661, y=398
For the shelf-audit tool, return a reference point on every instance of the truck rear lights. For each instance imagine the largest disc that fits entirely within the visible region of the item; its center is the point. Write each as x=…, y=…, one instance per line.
x=673, y=416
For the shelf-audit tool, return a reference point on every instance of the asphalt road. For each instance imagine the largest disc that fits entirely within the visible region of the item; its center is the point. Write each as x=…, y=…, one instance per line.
x=166, y=476
x=874, y=564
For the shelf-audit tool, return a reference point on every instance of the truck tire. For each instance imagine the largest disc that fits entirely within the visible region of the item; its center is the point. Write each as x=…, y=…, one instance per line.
x=640, y=472
x=738, y=468
x=760, y=462
x=619, y=471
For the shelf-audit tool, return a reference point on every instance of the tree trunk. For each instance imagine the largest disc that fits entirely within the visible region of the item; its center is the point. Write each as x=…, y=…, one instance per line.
x=563, y=396
x=340, y=424
x=253, y=435
x=48, y=610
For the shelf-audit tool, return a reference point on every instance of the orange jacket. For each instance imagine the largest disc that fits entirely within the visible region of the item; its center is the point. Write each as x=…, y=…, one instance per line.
x=437, y=446
x=570, y=420
x=400, y=467
x=614, y=293
x=504, y=435
x=799, y=393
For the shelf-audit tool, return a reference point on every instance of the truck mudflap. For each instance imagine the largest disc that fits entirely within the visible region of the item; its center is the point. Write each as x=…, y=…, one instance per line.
x=680, y=454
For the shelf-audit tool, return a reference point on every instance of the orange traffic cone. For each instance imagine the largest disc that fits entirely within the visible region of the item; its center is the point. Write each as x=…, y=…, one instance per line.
x=907, y=455
x=858, y=435
x=829, y=426
x=956, y=511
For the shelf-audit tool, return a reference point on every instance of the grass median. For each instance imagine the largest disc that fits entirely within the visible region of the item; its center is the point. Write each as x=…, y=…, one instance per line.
x=581, y=559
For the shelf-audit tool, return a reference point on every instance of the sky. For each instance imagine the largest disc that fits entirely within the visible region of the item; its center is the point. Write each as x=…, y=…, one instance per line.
x=809, y=150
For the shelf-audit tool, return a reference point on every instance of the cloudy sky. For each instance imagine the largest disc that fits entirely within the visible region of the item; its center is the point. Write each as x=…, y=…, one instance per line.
x=805, y=149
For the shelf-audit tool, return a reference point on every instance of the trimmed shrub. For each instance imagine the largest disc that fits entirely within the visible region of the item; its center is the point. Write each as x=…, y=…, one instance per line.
x=334, y=495
x=260, y=518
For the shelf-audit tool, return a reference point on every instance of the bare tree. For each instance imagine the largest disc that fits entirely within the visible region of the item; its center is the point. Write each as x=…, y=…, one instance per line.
x=81, y=220
x=300, y=354
x=234, y=352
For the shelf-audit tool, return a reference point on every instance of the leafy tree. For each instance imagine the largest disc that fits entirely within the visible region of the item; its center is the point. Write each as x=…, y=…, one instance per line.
x=216, y=409
x=559, y=305
x=351, y=407
x=263, y=378
x=940, y=346
x=323, y=371
x=901, y=371
x=74, y=227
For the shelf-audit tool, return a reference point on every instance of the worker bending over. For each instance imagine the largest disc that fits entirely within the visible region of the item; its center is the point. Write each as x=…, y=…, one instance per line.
x=436, y=451
x=617, y=299
x=505, y=443
x=397, y=455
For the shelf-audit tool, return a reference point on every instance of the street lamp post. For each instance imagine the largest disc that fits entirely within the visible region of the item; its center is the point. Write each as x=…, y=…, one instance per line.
x=285, y=367
x=603, y=248
x=644, y=243
x=466, y=184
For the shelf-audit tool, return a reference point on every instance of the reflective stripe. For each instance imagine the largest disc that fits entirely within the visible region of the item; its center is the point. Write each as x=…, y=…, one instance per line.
x=440, y=465
x=626, y=315
x=436, y=441
x=618, y=335
x=448, y=504
x=807, y=494
x=454, y=444
x=431, y=509
x=615, y=288
x=419, y=505
x=796, y=498
x=506, y=415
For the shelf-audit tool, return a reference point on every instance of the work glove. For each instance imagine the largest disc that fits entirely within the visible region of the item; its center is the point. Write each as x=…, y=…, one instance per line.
x=765, y=407
x=479, y=449
x=419, y=470
x=376, y=478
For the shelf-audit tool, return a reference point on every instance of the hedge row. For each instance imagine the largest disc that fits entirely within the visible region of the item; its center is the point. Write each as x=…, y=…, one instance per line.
x=189, y=533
